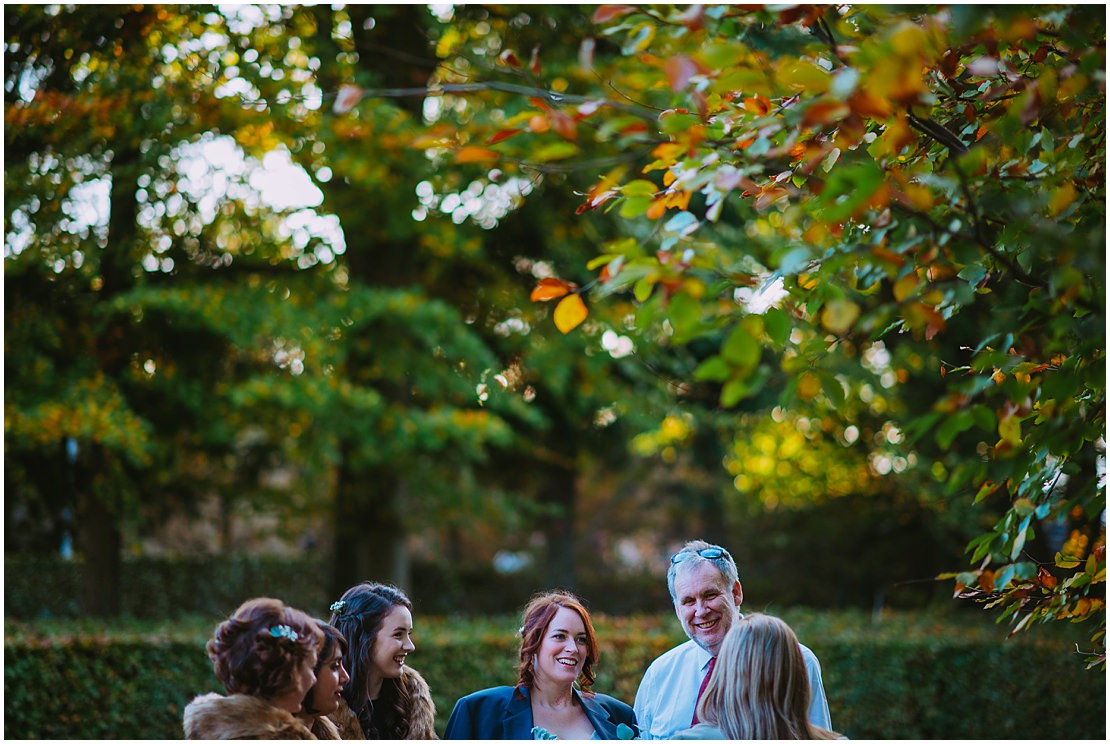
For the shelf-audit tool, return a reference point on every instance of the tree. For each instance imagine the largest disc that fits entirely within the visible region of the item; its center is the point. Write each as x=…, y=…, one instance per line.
x=926, y=186
x=94, y=125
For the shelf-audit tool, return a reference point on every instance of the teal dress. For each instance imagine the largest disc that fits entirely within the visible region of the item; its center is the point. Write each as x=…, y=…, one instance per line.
x=542, y=733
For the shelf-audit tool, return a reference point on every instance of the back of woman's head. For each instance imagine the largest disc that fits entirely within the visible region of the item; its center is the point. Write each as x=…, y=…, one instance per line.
x=258, y=650
x=536, y=616
x=358, y=615
x=760, y=688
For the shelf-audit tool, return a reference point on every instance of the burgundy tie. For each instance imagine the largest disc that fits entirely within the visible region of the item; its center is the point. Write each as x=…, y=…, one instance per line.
x=704, y=682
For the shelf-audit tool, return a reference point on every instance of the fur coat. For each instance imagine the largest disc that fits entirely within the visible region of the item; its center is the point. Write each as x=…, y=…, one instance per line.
x=421, y=714
x=215, y=716
x=323, y=728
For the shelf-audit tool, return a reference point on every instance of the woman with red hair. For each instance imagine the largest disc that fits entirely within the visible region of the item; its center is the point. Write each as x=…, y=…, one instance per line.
x=558, y=648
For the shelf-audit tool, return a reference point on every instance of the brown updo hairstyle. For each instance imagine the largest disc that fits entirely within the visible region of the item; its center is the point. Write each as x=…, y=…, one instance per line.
x=537, y=615
x=249, y=659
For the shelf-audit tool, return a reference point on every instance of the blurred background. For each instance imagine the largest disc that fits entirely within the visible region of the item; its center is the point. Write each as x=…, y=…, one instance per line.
x=268, y=332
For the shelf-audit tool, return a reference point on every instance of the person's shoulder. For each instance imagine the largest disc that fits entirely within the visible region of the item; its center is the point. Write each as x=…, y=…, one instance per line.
x=673, y=656
x=807, y=654
x=609, y=701
x=700, y=731
x=488, y=694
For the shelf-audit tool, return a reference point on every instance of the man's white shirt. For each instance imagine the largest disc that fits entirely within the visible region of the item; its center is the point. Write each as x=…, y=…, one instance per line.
x=667, y=694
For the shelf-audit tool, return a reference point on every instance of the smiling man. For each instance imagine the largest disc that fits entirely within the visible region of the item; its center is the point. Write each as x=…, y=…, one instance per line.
x=707, y=595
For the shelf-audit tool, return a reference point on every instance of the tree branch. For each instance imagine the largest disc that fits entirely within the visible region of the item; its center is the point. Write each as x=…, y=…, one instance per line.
x=938, y=132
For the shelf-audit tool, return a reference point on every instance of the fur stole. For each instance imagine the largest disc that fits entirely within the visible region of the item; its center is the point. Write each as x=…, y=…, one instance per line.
x=215, y=716
x=323, y=728
x=421, y=714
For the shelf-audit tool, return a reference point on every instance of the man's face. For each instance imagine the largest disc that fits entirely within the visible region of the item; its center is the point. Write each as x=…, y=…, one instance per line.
x=705, y=604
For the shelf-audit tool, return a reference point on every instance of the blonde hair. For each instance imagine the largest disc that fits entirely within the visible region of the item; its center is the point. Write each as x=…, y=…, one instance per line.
x=760, y=688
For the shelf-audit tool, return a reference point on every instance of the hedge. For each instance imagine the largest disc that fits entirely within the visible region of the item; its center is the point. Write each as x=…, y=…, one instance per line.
x=910, y=677
x=38, y=587
x=166, y=588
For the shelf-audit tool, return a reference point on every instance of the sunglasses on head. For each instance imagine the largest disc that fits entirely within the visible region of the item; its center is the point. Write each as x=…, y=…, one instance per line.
x=711, y=554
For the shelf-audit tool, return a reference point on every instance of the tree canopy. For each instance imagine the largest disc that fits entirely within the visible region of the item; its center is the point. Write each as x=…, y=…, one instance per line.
x=862, y=246
x=893, y=216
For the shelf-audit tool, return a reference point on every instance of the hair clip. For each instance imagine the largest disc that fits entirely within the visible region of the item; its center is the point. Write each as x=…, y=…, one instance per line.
x=283, y=631
x=338, y=607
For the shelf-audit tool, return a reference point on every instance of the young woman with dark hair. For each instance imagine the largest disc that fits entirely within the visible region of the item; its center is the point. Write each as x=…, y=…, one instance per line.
x=558, y=649
x=264, y=656
x=326, y=695
x=386, y=698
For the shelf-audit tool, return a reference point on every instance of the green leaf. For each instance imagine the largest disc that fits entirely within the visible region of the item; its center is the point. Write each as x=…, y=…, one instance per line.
x=741, y=349
x=952, y=426
x=713, y=369
x=973, y=274
x=634, y=206
x=684, y=313
x=777, y=324
x=734, y=391
x=554, y=151
x=833, y=389
x=1003, y=577
x=639, y=187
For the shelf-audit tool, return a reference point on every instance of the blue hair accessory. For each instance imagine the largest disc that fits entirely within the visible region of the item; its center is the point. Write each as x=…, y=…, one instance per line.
x=338, y=607
x=283, y=631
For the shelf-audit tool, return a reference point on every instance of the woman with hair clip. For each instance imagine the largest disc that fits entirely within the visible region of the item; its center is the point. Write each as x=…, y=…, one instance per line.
x=264, y=655
x=326, y=695
x=558, y=648
x=386, y=698
x=759, y=688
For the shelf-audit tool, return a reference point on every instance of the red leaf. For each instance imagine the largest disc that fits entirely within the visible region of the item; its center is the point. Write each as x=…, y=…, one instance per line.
x=606, y=13
x=509, y=58
x=564, y=126
x=504, y=134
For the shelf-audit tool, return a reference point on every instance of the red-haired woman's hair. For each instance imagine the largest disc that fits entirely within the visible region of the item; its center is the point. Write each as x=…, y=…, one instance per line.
x=536, y=617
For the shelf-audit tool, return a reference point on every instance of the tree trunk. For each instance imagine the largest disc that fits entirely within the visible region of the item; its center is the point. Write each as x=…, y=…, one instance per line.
x=370, y=537
x=559, y=494
x=99, y=539
x=370, y=534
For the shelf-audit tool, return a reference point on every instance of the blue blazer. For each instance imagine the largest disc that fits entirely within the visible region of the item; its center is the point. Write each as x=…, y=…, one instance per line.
x=506, y=713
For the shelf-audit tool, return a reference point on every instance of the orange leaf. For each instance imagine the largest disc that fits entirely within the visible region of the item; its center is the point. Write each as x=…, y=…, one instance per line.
x=657, y=209
x=569, y=313
x=509, y=58
x=504, y=134
x=550, y=289
x=609, y=12
x=473, y=154
x=825, y=112
x=758, y=105
x=564, y=126
x=869, y=105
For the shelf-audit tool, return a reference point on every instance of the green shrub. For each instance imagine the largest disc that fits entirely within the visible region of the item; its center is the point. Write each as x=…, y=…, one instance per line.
x=910, y=677
x=167, y=588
